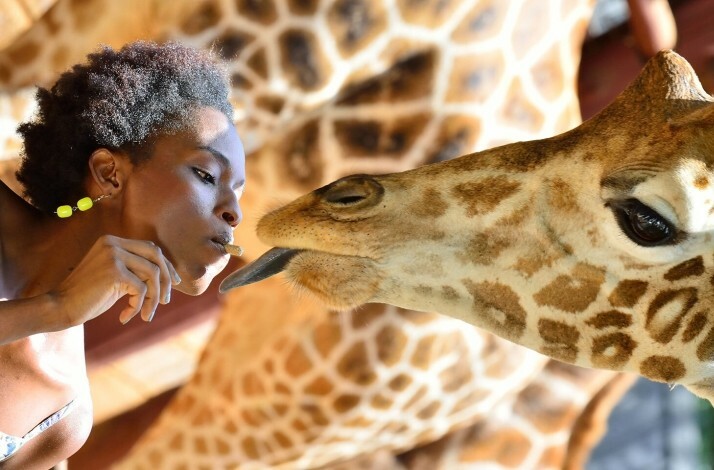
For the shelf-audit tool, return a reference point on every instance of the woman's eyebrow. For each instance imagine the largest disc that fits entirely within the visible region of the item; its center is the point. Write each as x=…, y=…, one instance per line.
x=222, y=159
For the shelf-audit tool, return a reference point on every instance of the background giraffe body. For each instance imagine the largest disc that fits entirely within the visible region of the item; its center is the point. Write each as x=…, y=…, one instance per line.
x=592, y=247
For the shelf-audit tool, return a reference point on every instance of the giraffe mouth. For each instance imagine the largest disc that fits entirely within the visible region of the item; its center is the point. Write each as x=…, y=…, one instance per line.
x=269, y=264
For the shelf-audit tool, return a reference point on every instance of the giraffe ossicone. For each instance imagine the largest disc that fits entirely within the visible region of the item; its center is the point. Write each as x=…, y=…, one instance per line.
x=593, y=247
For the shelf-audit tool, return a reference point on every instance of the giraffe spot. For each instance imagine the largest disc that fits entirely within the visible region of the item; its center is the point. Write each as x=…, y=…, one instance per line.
x=206, y=16
x=449, y=293
x=475, y=77
x=325, y=337
x=423, y=355
x=548, y=75
x=506, y=447
x=302, y=165
x=303, y=7
x=457, y=135
x=519, y=111
x=250, y=448
x=257, y=11
x=484, y=248
x=497, y=308
x=666, y=312
x=23, y=54
x=301, y=59
x=282, y=389
x=482, y=22
x=381, y=402
x=407, y=80
x=199, y=445
x=705, y=351
x=315, y=413
x=400, y=382
x=534, y=262
x=230, y=43
x=252, y=385
x=297, y=363
x=203, y=417
x=613, y=318
x=696, y=325
x=280, y=409
x=430, y=205
x=572, y=293
x=299, y=425
x=562, y=197
x=701, y=182
x=320, y=386
x=380, y=138
x=663, y=368
x=282, y=440
x=230, y=428
x=345, y=403
x=482, y=196
x=239, y=81
x=429, y=411
x=390, y=343
x=561, y=339
x=455, y=376
x=356, y=366
x=527, y=32
x=612, y=351
x=427, y=13
x=355, y=24
x=366, y=316
x=259, y=64
x=536, y=404
x=271, y=104
x=689, y=268
x=176, y=442
x=627, y=293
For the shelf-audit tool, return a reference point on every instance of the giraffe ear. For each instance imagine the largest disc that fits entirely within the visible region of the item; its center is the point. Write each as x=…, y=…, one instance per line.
x=667, y=88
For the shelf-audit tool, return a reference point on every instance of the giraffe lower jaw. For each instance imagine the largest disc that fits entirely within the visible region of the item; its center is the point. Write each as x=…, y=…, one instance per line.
x=270, y=263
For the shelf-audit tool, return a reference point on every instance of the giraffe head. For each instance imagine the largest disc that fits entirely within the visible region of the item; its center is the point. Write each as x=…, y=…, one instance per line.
x=593, y=247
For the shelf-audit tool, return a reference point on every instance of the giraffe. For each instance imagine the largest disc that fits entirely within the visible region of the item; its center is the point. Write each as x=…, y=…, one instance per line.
x=267, y=103
x=592, y=247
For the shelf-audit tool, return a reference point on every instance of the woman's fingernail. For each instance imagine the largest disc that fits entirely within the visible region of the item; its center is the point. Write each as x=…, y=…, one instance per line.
x=151, y=317
x=125, y=321
x=177, y=278
x=167, y=297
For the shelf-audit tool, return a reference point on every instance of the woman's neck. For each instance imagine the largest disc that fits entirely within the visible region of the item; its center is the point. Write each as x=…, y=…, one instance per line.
x=37, y=251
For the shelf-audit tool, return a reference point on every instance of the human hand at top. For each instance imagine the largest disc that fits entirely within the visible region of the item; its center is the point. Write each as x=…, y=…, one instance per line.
x=115, y=267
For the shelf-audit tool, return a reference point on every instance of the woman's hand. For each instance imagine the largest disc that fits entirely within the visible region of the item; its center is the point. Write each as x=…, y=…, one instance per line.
x=115, y=267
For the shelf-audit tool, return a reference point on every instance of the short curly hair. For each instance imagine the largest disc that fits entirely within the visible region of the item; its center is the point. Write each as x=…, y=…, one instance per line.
x=120, y=100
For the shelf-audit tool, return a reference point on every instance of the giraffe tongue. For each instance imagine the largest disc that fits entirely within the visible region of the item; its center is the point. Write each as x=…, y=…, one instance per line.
x=270, y=263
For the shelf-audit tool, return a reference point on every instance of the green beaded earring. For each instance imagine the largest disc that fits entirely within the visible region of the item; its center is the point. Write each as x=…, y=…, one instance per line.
x=83, y=204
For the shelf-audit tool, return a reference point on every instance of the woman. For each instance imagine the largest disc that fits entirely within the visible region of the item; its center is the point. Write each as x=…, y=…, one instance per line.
x=144, y=136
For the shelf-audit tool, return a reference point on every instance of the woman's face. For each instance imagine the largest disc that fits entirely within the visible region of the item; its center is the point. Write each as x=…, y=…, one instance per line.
x=186, y=197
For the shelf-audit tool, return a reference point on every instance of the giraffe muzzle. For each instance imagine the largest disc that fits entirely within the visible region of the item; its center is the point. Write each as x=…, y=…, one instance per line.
x=269, y=264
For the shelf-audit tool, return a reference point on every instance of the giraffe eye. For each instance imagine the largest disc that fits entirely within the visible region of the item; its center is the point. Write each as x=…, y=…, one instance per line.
x=642, y=224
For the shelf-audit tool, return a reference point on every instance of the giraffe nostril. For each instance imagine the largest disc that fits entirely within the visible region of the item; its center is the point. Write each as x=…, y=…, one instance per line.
x=353, y=190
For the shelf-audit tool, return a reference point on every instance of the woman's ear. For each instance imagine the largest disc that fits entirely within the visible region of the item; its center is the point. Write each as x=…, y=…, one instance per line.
x=108, y=170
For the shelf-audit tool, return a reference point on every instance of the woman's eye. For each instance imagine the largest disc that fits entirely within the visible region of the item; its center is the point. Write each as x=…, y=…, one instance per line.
x=643, y=225
x=205, y=176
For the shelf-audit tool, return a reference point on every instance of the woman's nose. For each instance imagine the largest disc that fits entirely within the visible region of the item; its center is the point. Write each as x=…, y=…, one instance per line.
x=230, y=210
x=233, y=216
